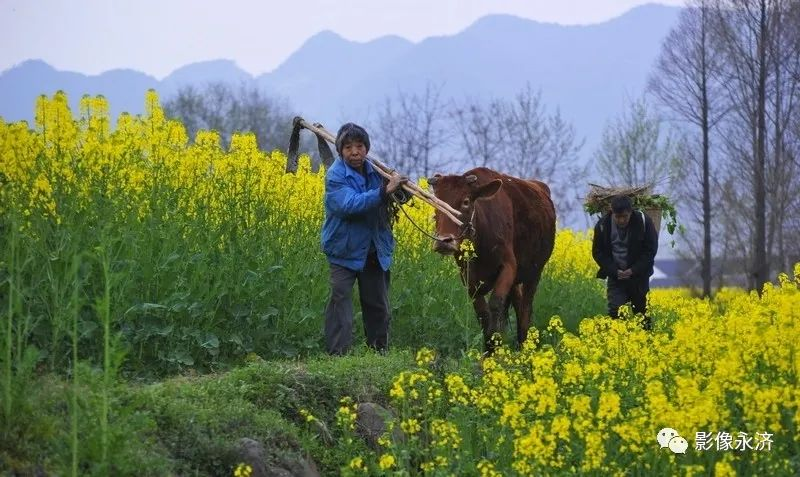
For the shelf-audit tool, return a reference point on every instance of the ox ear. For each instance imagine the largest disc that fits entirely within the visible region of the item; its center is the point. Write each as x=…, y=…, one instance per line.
x=433, y=180
x=487, y=190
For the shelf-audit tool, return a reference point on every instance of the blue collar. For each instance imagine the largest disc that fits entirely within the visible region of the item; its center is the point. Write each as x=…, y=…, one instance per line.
x=349, y=171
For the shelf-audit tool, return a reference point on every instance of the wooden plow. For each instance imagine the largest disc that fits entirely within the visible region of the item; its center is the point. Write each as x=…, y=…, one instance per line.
x=323, y=136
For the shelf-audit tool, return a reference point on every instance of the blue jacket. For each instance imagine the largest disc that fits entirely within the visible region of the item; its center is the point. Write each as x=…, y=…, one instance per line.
x=355, y=216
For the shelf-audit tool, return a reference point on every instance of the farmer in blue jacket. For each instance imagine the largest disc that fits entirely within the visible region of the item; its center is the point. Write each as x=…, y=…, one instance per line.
x=357, y=239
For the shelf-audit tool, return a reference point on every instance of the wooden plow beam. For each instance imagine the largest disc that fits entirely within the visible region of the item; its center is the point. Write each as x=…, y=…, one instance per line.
x=384, y=170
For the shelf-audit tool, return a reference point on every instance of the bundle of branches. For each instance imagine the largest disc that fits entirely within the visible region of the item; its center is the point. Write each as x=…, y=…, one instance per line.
x=598, y=200
x=657, y=206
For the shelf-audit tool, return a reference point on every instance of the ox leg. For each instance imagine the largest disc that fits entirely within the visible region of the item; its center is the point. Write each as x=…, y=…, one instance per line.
x=497, y=303
x=512, y=299
x=502, y=319
x=496, y=306
x=483, y=315
x=516, y=299
x=524, y=317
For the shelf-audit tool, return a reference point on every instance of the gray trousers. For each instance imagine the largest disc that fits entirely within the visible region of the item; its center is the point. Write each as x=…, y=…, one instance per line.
x=373, y=291
x=620, y=292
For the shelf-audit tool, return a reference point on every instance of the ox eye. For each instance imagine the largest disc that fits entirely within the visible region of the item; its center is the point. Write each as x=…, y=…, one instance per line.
x=465, y=203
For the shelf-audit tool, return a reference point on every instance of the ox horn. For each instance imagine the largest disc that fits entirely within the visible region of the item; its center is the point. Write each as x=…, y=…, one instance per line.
x=471, y=178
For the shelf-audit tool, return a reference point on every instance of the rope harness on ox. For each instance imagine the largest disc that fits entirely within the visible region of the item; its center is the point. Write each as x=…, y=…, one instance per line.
x=467, y=229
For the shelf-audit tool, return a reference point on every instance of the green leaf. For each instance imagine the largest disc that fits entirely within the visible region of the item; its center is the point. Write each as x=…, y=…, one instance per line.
x=269, y=313
x=210, y=342
x=182, y=357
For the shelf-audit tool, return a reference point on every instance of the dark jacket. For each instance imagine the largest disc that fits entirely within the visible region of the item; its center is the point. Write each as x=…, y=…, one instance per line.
x=355, y=216
x=642, y=246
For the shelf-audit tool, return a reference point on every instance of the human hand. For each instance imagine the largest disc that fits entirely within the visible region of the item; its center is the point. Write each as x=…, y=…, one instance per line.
x=624, y=274
x=395, y=181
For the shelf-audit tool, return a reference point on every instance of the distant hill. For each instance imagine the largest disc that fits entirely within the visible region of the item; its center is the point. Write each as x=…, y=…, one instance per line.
x=204, y=72
x=586, y=71
x=22, y=85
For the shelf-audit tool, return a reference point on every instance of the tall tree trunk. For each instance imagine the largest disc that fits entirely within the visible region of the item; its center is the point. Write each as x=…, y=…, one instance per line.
x=761, y=266
x=706, y=263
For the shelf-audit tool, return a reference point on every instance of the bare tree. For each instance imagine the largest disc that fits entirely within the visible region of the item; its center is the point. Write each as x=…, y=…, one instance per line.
x=735, y=234
x=228, y=109
x=411, y=133
x=635, y=150
x=686, y=83
x=563, y=150
x=480, y=129
x=390, y=139
x=758, y=41
x=525, y=119
x=742, y=37
x=782, y=171
x=564, y=146
x=519, y=137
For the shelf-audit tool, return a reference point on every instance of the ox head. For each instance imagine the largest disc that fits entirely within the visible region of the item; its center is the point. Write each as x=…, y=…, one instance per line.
x=461, y=193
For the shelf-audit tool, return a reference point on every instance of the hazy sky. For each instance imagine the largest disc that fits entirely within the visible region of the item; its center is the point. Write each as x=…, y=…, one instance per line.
x=159, y=36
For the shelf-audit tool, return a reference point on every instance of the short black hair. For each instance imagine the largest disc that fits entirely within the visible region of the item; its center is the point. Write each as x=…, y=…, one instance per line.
x=621, y=203
x=351, y=132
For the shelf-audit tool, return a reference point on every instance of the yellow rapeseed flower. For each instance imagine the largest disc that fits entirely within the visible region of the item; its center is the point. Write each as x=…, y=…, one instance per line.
x=410, y=426
x=357, y=463
x=386, y=461
x=487, y=469
x=243, y=470
x=425, y=356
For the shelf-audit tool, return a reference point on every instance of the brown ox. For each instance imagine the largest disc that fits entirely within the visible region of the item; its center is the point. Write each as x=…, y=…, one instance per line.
x=512, y=224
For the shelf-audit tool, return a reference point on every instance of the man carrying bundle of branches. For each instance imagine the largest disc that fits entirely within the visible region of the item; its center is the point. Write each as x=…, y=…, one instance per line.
x=624, y=246
x=358, y=242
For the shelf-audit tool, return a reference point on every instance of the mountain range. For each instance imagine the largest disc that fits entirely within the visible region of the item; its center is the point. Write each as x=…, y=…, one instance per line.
x=587, y=72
